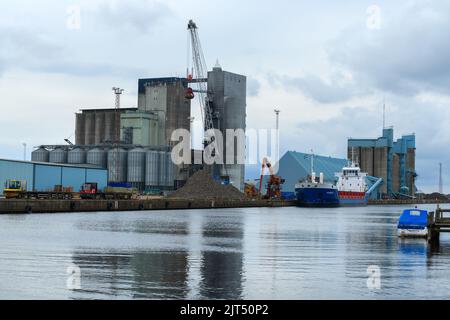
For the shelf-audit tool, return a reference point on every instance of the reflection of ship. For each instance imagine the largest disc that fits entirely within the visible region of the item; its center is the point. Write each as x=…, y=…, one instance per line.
x=315, y=192
x=352, y=186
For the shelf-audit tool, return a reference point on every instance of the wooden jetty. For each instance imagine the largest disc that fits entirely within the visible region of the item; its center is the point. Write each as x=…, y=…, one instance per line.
x=438, y=221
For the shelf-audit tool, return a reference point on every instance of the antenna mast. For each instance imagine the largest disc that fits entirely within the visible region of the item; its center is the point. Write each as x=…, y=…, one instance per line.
x=441, y=182
x=116, y=143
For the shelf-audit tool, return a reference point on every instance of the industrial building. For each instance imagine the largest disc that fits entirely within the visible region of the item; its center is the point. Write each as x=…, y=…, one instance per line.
x=145, y=168
x=41, y=176
x=97, y=126
x=139, y=128
x=296, y=166
x=134, y=145
x=227, y=95
x=393, y=161
x=165, y=98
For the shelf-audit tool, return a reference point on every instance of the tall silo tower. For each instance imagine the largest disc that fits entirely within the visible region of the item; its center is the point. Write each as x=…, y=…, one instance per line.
x=228, y=93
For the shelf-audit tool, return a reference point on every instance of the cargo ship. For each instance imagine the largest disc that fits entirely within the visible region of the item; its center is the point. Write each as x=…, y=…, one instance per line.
x=352, y=187
x=314, y=192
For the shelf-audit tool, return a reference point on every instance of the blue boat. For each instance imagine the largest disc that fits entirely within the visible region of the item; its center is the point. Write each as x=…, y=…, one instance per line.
x=316, y=194
x=413, y=223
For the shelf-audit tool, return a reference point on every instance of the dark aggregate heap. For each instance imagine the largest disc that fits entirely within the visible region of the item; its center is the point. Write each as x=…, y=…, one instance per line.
x=202, y=186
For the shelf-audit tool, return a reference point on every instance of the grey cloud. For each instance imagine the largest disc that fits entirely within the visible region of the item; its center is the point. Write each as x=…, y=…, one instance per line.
x=142, y=16
x=314, y=87
x=23, y=48
x=37, y=51
x=426, y=120
x=409, y=54
x=253, y=87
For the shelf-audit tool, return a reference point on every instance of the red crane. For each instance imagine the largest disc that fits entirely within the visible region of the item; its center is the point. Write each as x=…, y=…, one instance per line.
x=274, y=184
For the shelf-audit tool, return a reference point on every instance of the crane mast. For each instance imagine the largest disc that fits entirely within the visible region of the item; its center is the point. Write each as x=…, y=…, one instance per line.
x=200, y=74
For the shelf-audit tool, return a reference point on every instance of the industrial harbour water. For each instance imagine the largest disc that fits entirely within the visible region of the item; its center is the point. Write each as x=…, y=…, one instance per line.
x=248, y=253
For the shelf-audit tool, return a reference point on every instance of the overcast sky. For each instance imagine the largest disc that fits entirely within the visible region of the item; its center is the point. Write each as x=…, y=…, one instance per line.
x=327, y=65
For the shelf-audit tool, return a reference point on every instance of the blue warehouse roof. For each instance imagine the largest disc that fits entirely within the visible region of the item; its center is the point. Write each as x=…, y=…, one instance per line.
x=295, y=166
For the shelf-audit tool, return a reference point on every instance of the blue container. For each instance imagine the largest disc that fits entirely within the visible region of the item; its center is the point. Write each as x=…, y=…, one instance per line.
x=119, y=185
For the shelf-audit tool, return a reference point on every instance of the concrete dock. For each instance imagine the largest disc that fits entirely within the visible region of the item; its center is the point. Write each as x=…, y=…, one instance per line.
x=53, y=206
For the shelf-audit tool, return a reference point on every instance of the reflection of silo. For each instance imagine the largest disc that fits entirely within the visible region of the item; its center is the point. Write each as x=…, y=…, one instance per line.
x=40, y=155
x=162, y=169
x=76, y=156
x=58, y=155
x=221, y=272
x=89, y=136
x=151, y=169
x=96, y=157
x=136, y=168
x=109, y=126
x=99, y=127
x=117, y=165
x=79, y=129
x=170, y=176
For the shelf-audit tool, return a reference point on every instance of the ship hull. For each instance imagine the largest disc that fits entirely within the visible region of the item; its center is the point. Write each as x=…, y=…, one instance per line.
x=317, y=197
x=353, y=199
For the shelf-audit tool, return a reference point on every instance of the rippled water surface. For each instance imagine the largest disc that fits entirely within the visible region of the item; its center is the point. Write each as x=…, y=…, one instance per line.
x=257, y=253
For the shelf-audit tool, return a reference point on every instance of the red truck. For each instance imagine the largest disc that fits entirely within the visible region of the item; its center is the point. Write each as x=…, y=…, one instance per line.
x=90, y=190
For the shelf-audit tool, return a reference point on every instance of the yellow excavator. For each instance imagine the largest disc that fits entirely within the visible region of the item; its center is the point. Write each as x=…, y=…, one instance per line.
x=14, y=188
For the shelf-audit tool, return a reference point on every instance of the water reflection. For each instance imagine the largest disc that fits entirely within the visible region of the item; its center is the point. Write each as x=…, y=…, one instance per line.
x=149, y=275
x=222, y=270
x=254, y=253
x=167, y=274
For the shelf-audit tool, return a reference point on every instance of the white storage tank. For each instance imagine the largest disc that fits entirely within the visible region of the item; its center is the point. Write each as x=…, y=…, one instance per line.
x=162, y=162
x=58, y=155
x=117, y=165
x=151, y=169
x=136, y=168
x=170, y=176
x=76, y=156
x=97, y=157
x=40, y=155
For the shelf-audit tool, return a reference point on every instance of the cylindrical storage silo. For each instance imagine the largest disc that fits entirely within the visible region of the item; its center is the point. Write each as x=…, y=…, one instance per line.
x=170, y=176
x=110, y=124
x=117, y=165
x=97, y=157
x=79, y=129
x=151, y=169
x=58, y=155
x=89, y=128
x=99, y=127
x=136, y=168
x=162, y=161
x=76, y=156
x=40, y=155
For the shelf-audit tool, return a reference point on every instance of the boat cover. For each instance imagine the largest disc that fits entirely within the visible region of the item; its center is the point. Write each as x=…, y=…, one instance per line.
x=413, y=219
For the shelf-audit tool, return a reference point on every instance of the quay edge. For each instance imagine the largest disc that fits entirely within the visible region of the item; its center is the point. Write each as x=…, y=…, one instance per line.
x=8, y=206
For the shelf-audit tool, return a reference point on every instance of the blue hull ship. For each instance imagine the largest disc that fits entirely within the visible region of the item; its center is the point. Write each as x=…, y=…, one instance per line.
x=317, y=195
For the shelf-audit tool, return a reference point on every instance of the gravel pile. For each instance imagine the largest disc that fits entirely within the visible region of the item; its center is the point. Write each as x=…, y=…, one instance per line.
x=202, y=186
